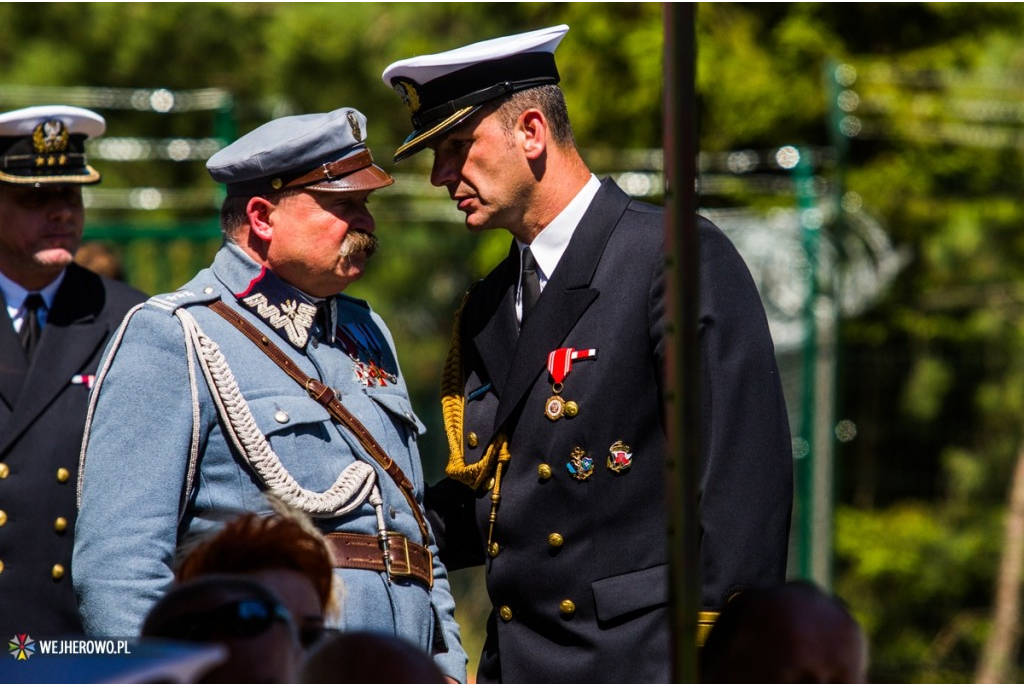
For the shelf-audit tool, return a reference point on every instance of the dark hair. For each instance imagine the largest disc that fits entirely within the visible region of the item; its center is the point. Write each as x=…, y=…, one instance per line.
x=549, y=100
x=233, y=210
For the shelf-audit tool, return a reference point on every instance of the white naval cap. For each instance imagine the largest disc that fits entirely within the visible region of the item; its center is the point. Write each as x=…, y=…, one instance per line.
x=45, y=145
x=444, y=89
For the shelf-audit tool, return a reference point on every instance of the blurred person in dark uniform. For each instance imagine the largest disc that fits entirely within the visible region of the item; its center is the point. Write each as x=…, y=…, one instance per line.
x=553, y=389
x=57, y=319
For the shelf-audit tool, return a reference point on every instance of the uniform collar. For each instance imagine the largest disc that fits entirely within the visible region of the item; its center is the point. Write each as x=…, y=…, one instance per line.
x=291, y=312
x=15, y=294
x=550, y=243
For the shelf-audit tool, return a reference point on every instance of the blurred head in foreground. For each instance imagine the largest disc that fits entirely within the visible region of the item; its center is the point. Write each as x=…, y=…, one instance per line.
x=236, y=612
x=791, y=633
x=363, y=657
x=284, y=552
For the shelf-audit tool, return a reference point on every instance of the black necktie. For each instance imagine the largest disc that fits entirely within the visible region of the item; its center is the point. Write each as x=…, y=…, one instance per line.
x=30, y=328
x=530, y=281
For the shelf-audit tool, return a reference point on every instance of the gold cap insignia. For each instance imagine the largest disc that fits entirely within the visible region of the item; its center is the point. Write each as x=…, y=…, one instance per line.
x=357, y=132
x=407, y=91
x=50, y=136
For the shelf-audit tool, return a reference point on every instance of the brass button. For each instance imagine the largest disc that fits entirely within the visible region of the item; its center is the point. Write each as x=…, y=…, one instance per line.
x=3, y=517
x=567, y=607
x=472, y=440
x=57, y=572
x=555, y=540
x=61, y=524
x=1, y=566
x=5, y=471
x=571, y=409
x=493, y=549
x=505, y=613
x=62, y=475
x=489, y=485
x=544, y=471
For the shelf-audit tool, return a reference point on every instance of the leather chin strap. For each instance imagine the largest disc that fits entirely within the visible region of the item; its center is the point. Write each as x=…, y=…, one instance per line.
x=333, y=170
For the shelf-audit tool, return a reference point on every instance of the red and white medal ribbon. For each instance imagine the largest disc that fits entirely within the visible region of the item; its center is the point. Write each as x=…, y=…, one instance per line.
x=560, y=361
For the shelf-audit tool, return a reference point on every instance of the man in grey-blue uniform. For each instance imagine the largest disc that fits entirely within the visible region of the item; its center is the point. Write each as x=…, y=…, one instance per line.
x=192, y=419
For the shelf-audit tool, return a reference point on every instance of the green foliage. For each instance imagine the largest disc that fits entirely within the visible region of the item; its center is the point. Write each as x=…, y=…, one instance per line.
x=933, y=375
x=916, y=583
x=928, y=383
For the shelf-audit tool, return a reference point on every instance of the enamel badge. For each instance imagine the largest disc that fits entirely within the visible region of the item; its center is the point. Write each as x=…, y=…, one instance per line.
x=580, y=465
x=620, y=457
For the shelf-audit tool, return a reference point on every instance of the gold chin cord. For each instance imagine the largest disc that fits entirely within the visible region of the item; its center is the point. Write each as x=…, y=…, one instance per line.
x=453, y=410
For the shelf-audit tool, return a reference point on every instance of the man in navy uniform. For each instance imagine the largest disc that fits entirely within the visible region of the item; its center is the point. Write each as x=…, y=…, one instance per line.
x=57, y=319
x=194, y=419
x=552, y=392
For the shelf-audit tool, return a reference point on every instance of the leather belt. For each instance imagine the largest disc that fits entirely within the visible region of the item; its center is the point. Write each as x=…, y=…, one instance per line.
x=402, y=559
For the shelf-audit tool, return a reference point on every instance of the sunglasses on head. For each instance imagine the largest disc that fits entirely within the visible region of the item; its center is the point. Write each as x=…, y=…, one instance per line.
x=241, y=618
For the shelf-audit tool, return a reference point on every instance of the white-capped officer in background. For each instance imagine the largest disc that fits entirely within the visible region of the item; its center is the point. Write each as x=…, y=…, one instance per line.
x=553, y=387
x=57, y=318
x=259, y=375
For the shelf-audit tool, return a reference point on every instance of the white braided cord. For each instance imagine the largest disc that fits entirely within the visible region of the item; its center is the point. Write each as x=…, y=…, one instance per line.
x=193, y=452
x=348, y=492
x=95, y=396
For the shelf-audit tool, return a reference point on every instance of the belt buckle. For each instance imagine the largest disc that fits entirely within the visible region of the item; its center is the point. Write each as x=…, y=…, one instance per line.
x=393, y=572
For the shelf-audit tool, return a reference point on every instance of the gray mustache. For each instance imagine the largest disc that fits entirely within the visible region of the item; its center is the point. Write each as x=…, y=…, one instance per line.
x=359, y=241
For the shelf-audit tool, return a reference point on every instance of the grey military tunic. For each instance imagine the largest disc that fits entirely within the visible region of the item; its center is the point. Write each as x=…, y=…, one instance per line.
x=135, y=457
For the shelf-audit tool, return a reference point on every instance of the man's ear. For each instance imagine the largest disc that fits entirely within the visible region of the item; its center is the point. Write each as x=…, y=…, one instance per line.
x=259, y=210
x=532, y=128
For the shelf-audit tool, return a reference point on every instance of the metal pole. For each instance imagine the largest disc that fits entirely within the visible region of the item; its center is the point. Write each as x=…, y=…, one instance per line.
x=804, y=467
x=682, y=394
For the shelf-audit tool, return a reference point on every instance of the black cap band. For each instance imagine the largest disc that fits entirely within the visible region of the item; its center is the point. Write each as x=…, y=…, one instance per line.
x=479, y=83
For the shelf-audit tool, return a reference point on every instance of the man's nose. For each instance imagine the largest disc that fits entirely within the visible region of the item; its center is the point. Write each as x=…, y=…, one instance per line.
x=441, y=173
x=61, y=206
x=364, y=220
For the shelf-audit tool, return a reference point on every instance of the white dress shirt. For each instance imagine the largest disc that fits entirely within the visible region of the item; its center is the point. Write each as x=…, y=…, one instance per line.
x=14, y=296
x=550, y=243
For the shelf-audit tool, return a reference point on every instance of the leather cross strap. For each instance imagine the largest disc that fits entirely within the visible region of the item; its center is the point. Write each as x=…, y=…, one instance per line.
x=327, y=397
x=405, y=559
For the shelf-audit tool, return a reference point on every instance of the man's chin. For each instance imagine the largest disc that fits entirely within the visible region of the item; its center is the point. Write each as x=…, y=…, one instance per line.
x=476, y=223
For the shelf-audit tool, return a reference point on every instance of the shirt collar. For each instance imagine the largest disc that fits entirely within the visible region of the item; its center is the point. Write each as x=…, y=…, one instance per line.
x=550, y=243
x=15, y=294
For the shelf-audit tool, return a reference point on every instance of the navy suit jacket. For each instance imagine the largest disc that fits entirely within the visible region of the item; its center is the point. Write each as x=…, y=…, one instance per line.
x=579, y=580
x=42, y=417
